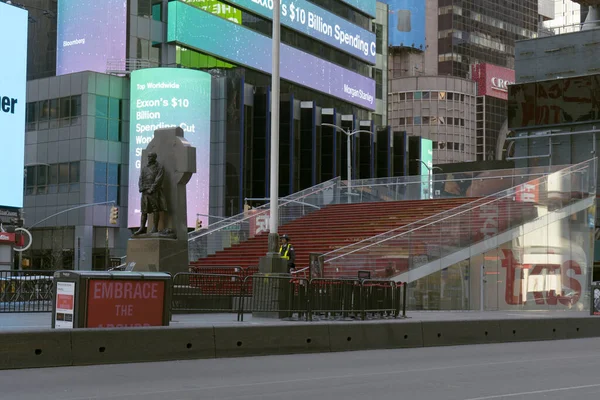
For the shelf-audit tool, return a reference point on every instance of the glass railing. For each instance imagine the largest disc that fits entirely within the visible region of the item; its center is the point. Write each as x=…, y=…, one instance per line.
x=236, y=229
x=241, y=227
x=411, y=246
x=443, y=185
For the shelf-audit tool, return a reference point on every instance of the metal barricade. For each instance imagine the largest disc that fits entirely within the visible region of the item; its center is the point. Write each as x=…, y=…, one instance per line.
x=26, y=291
x=380, y=298
x=330, y=297
x=287, y=296
x=206, y=293
x=281, y=296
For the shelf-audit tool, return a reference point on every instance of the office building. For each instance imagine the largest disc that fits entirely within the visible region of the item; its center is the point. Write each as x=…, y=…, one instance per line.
x=553, y=110
x=462, y=37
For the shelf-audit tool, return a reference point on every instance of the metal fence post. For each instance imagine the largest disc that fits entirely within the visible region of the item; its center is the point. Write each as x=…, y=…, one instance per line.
x=404, y=288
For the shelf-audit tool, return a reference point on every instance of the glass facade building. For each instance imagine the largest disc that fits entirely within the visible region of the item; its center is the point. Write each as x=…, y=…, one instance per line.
x=482, y=31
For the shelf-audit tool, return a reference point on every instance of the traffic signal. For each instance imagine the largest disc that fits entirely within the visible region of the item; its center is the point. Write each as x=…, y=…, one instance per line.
x=114, y=215
x=198, y=224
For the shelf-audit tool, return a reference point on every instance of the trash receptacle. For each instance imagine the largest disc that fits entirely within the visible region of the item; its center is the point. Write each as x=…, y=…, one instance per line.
x=88, y=299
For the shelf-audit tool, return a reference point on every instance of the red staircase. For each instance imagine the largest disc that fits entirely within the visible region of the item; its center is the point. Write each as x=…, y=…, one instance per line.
x=328, y=229
x=454, y=231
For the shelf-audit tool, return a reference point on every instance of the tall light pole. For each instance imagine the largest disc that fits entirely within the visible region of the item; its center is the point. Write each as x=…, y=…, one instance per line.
x=274, y=192
x=348, y=134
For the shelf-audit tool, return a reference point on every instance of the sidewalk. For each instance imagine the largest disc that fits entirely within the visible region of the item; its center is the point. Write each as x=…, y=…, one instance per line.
x=41, y=321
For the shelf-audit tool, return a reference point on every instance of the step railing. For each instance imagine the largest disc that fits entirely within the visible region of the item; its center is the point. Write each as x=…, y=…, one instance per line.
x=239, y=228
x=444, y=185
x=254, y=222
x=437, y=236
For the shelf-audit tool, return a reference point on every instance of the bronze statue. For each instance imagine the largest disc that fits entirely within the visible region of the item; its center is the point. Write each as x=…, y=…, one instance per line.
x=153, y=199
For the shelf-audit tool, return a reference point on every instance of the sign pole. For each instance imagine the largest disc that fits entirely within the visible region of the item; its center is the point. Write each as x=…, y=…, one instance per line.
x=275, y=95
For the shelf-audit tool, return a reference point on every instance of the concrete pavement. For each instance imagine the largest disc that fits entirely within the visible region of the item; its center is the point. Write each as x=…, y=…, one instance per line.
x=528, y=371
x=40, y=321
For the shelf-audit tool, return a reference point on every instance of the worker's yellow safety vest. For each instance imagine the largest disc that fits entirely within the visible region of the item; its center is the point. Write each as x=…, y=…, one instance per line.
x=285, y=254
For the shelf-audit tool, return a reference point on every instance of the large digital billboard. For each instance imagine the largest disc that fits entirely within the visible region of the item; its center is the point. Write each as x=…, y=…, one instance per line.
x=406, y=23
x=192, y=27
x=309, y=19
x=426, y=168
x=13, y=80
x=554, y=102
x=163, y=98
x=89, y=33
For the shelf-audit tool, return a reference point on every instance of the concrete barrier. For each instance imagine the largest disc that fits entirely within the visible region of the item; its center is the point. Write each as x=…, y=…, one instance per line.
x=374, y=335
x=538, y=329
x=108, y=346
x=56, y=348
x=580, y=328
x=35, y=349
x=452, y=333
x=271, y=340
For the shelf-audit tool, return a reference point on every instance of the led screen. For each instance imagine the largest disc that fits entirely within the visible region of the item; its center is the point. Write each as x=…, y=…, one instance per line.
x=322, y=25
x=13, y=78
x=163, y=98
x=426, y=168
x=89, y=33
x=368, y=7
x=195, y=28
x=406, y=23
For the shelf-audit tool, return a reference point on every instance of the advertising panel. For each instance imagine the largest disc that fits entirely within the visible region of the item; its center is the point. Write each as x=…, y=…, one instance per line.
x=122, y=303
x=559, y=101
x=426, y=168
x=13, y=80
x=406, y=23
x=89, y=33
x=163, y=98
x=195, y=28
x=65, y=305
x=309, y=19
x=492, y=80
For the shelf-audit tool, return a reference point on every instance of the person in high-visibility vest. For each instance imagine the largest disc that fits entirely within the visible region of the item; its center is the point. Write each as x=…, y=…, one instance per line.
x=286, y=250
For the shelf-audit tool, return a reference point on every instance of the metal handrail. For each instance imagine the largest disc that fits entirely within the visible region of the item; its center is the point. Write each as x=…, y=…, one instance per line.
x=453, y=180
x=509, y=192
x=263, y=210
x=417, y=178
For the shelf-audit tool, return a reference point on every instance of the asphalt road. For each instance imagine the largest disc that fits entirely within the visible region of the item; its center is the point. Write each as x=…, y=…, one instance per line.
x=527, y=371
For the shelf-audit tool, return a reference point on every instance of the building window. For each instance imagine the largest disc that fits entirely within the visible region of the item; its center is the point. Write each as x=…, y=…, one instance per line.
x=53, y=113
x=52, y=178
x=108, y=118
x=106, y=182
x=378, y=30
x=378, y=77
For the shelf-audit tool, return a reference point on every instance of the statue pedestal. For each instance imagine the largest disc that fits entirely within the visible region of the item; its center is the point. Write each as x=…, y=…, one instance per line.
x=158, y=255
x=271, y=289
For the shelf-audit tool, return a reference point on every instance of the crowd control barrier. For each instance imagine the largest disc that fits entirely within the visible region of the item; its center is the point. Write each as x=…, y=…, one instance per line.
x=87, y=299
x=285, y=296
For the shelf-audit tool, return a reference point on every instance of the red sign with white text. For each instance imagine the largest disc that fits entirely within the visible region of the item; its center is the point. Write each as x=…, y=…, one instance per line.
x=125, y=303
x=6, y=237
x=492, y=80
x=65, y=301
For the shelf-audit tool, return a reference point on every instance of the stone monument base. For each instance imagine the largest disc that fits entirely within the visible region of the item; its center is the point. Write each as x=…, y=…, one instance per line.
x=271, y=288
x=271, y=296
x=273, y=264
x=158, y=255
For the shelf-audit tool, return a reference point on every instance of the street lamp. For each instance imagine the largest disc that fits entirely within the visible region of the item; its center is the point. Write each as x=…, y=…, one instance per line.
x=430, y=170
x=348, y=134
x=274, y=192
